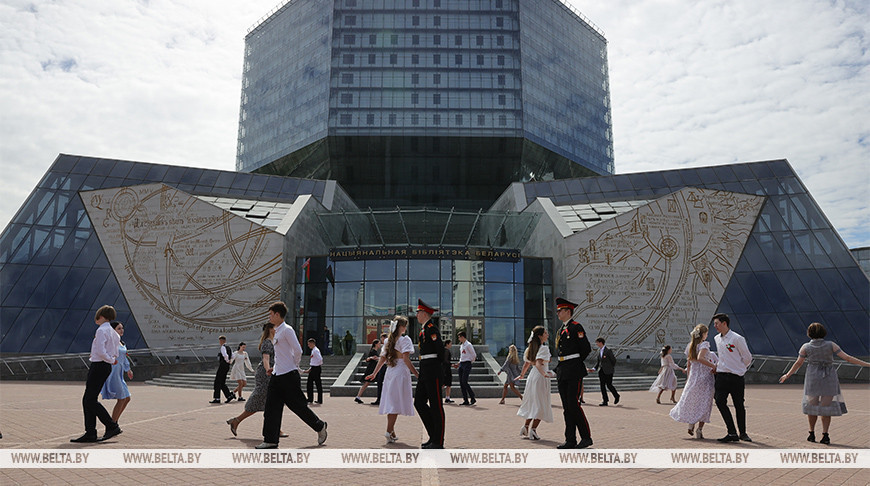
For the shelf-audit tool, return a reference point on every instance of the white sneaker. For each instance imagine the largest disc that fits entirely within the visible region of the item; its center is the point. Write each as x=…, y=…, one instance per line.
x=321, y=435
x=533, y=434
x=524, y=432
x=391, y=436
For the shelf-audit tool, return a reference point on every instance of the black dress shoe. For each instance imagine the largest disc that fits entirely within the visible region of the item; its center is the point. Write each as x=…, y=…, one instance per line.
x=745, y=438
x=241, y=399
x=473, y=401
x=812, y=436
x=464, y=404
x=376, y=402
x=567, y=445
x=231, y=398
x=85, y=438
x=602, y=404
x=616, y=400
x=426, y=444
x=729, y=438
x=215, y=401
x=357, y=400
x=433, y=446
x=584, y=443
x=111, y=433
x=825, y=439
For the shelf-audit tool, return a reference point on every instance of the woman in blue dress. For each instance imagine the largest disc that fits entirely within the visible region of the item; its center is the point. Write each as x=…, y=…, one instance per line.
x=115, y=387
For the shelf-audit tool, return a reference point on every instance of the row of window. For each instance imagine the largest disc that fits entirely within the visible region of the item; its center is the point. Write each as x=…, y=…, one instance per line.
x=416, y=20
x=414, y=3
x=414, y=118
x=458, y=40
x=458, y=59
x=347, y=99
x=463, y=81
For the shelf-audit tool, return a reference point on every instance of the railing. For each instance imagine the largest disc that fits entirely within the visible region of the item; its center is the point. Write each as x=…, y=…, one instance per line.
x=164, y=355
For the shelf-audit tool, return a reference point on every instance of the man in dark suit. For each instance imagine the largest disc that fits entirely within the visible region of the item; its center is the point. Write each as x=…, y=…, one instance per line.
x=427, y=398
x=572, y=347
x=220, y=377
x=604, y=366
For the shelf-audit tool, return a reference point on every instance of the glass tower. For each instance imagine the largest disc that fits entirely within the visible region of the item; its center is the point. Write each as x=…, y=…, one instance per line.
x=426, y=102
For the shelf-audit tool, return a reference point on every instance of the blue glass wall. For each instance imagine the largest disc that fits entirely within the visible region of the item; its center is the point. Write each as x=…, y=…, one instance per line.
x=54, y=274
x=497, y=303
x=794, y=270
x=566, y=90
x=285, y=83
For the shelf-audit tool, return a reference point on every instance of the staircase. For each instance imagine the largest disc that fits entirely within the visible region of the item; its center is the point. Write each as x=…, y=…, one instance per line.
x=483, y=379
x=332, y=368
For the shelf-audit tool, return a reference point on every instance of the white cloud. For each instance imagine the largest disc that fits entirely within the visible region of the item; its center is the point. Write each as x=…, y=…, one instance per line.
x=693, y=83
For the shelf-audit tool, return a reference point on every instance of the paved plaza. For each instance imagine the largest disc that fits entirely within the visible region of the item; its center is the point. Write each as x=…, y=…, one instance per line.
x=46, y=415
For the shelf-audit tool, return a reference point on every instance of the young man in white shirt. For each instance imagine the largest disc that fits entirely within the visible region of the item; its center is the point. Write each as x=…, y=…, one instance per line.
x=466, y=358
x=285, y=386
x=314, y=370
x=104, y=353
x=734, y=360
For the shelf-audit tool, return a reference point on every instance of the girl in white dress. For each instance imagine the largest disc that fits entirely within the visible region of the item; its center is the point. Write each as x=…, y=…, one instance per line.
x=666, y=380
x=239, y=361
x=536, y=399
x=396, y=396
x=696, y=402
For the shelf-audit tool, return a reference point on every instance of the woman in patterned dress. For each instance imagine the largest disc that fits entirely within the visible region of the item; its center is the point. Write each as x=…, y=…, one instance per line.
x=696, y=402
x=257, y=400
x=822, y=395
x=511, y=368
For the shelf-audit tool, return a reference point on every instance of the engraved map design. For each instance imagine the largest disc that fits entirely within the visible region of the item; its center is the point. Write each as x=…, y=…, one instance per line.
x=646, y=277
x=189, y=270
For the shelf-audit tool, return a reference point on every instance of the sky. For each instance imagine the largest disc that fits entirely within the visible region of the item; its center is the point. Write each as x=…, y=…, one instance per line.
x=693, y=83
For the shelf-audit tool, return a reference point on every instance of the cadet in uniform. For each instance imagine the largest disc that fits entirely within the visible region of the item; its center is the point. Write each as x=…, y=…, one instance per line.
x=427, y=397
x=572, y=347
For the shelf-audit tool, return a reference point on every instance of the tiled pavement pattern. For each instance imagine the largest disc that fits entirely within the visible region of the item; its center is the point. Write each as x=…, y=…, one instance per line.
x=46, y=415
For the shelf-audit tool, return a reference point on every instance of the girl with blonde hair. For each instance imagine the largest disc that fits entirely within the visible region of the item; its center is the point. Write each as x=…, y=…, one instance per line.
x=511, y=368
x=696, y=401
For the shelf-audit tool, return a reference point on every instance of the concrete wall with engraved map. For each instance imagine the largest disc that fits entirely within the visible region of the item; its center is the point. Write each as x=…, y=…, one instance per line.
x=190, y=271
x=646, y=277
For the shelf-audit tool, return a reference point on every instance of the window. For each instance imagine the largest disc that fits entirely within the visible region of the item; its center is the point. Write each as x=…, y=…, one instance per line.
x=436, y=119
x=436, y=40
x=392, y=118
x=373, y=39
x=459, y=118
x=501, y=60
x=436, y=3
x=344, y=119
x=415, y=98
x=351, y=3
x=415, y=40
x=347, y=58
x=458, y=60
x=479, y=40
x=394, y=58
x=502, y=120
x=415, y=119
x=481, y=120
x=501, y=99
x=436, y=59
x=350, y=20
x=415, y=78
x=436, y=99
x=499, y=21
x=499, y=4
x=372, y=58
x=436, y=78
x=436, y=20
x=370, y=119
x=499, y=40
x=457, y=40
x=416, y=3
x=346, y=98
x=346, y=78
x=349, y=39
x=415, y=20
x=415, y=59
x=480, y=59
x=394, y=39
x=501, y=79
